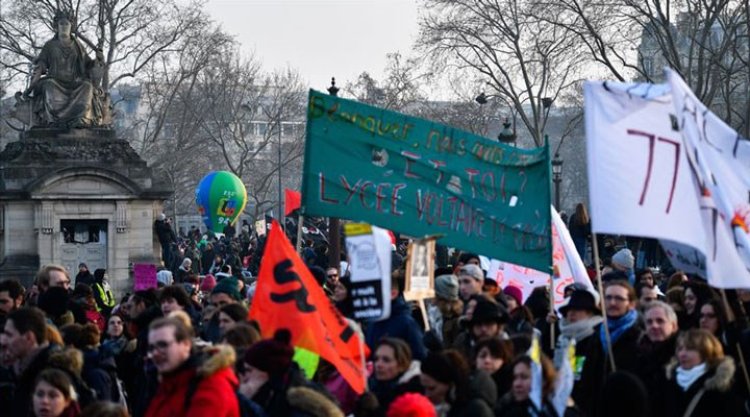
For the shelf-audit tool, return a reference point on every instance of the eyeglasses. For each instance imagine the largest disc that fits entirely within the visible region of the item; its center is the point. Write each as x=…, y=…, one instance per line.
x=616, y=298
x=161, y=346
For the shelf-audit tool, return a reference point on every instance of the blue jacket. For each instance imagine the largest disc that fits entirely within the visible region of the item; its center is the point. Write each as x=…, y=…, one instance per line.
x=400, y=325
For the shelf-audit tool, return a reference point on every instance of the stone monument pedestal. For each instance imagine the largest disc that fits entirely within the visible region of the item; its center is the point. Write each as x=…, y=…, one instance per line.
x=77, y=195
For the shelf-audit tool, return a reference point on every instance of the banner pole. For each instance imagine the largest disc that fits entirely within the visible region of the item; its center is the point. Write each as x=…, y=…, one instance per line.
x=552, y=309
x=300, y=222
x=730, y=318
x=601, y=299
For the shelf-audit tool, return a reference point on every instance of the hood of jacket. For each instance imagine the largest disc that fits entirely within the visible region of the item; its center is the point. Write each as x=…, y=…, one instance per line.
x=413, y=370
x=399, y=307
x=93, y=358
x=219, y=357
x=312, y=402
x=719, y=376
x=482, y=387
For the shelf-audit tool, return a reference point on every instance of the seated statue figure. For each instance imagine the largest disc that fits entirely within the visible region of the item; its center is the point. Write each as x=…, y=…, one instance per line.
x=65, y=89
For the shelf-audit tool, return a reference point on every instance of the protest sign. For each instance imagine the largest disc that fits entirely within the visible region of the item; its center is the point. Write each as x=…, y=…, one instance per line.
x=144, y=276
x=420, y=270
x=420, y=178
x=369, y=250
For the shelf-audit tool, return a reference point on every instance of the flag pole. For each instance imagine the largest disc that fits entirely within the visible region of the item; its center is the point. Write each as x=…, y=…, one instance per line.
x=552, y=309
x=601, y=299
x=730, y=318
x=300, y=222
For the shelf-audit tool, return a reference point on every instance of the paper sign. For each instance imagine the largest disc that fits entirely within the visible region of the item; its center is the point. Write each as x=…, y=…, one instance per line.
x=369, y=251
x=144, y=276
x=420, y=270
x=260, y=227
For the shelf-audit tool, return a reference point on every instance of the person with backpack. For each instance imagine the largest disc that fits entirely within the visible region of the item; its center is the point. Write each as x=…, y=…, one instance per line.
x=190, y=386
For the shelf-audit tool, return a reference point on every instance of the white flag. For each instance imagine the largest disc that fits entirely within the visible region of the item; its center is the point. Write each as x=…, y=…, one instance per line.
x=662, y=166
x=718, y=165
x=638, y=179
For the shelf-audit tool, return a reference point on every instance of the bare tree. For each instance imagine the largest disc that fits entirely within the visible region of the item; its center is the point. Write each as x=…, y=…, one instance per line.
x=526, y=61
x=706, y=42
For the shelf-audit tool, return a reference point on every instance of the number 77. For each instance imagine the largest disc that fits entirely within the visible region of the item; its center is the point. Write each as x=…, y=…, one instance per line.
x=652, y=139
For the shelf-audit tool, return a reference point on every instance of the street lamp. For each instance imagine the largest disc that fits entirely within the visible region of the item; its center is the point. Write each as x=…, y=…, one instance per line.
x=334, y=240
x=506, y=135
x=557, y=164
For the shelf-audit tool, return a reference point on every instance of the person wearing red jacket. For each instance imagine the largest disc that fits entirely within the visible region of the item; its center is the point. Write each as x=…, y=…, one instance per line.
x=190, y=386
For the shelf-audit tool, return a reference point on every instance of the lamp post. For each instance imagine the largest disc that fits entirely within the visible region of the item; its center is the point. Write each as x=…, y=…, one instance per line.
x=506, y=135
x=334, y=240
x=557, y=164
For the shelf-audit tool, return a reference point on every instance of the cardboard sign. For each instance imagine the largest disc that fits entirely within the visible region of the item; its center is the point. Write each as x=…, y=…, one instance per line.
x=144, y=276
x=369, y=251
x=260, y=227
x=420, y=270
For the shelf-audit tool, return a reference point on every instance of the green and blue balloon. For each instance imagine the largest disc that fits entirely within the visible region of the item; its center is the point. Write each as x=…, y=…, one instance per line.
x=221, y=197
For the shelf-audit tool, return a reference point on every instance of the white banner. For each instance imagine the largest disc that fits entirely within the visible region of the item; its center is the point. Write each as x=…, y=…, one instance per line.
x=718, y=165
x=662, y=165
x=369, y=250
x=638, y=179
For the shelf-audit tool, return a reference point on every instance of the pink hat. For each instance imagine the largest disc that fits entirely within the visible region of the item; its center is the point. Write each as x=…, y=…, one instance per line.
x=209, y=282
x=515, y=292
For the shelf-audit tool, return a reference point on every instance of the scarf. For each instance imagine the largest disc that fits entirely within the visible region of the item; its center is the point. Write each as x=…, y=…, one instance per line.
x=686, y=377
x=581, y=329
x=617, y=327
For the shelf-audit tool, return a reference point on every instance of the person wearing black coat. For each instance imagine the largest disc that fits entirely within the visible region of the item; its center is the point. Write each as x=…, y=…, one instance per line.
x=620, y=307
x=656, y=349
x=700, y=379
x=447, y=382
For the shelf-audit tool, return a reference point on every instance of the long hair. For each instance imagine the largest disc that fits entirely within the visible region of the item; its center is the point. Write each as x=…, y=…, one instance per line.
x=581, y=216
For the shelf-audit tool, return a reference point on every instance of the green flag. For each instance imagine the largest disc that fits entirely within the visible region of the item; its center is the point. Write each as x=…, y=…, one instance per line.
x=421, y=178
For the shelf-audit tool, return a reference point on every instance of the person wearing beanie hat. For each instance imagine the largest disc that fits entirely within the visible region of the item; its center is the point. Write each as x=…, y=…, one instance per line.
x=105, y=299
x=272, y=380
x=225, y=292
x=84, y=275
x=514, y=297
x=470, y=281
x=444, y=313
x=624, y=261
x=411, y=405
x=208, y=284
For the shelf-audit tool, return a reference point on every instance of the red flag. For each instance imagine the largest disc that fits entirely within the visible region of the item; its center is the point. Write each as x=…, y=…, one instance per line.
x=287, y=296
x=293, y=201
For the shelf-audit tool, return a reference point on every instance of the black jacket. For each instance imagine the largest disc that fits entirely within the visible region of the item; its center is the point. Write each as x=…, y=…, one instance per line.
x=596, y=367
x=718, y=398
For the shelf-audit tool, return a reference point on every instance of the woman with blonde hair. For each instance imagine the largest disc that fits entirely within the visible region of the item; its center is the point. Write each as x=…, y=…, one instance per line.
x=700, y=378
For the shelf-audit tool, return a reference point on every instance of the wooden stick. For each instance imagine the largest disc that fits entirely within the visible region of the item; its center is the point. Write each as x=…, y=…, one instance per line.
x=611, y=355
x=300, y=221
x=552, y=309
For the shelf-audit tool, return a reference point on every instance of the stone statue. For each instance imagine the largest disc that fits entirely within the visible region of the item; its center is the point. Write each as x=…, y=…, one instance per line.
x=65, y=89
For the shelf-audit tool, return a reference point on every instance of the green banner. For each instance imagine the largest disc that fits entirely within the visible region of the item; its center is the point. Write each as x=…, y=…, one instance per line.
x=421, y=178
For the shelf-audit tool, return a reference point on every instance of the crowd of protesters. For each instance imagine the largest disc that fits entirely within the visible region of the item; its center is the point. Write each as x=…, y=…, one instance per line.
x=187, y=348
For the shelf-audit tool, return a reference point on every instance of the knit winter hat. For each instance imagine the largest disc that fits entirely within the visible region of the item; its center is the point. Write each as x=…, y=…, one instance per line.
x=164, y=277
x=228, y=286
x=208, y=284
x=273, y=356
x=472, y=271
x=446, y=287
x=515, y=293
x=624, y=258
x=411, y=405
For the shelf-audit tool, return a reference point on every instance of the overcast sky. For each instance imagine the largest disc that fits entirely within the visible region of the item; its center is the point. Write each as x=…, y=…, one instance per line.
x=321, y=38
